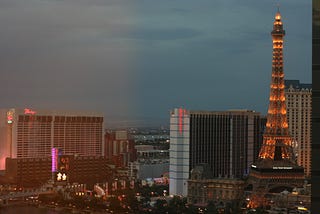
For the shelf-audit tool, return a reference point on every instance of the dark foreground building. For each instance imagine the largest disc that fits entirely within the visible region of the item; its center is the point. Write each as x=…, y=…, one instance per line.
x=34, y=172
x=315, y=173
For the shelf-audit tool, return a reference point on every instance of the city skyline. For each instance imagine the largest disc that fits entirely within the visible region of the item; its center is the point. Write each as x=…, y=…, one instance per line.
x=137, y=61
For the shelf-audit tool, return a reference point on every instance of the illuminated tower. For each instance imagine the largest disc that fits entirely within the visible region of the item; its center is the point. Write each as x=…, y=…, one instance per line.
x=276, y=168
x=277, y=141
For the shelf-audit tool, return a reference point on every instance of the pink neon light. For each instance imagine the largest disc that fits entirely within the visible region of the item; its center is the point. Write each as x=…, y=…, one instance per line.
x=29, y=111
x=180, y=120
x=9, y=118
x=54, y=158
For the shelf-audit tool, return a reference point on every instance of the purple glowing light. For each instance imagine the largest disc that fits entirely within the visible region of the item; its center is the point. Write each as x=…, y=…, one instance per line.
x=54, y=159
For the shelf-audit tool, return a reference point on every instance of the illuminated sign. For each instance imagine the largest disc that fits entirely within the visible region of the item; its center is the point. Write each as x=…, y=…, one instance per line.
x=282, y=167
x=61, y=176
x=10, y=117
x=29, y=111
x=54, y=159
x=180, y=120
x=63, y=164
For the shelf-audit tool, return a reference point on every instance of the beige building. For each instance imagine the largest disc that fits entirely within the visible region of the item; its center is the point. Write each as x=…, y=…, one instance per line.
x=298, y=101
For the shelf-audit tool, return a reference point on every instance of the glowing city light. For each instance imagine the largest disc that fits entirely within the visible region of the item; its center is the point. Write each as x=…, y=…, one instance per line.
x=29, y=111
x=180, y=120
x=9, y=117
x=54, y=159
x=59, y=176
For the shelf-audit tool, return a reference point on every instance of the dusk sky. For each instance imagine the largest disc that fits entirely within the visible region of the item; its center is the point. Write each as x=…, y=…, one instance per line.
x=135, y=60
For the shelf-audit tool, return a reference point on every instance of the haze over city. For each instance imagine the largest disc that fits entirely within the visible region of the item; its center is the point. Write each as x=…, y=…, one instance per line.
x=136, y=60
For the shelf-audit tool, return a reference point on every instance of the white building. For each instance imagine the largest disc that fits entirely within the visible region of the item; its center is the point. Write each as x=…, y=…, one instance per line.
x=179, y=152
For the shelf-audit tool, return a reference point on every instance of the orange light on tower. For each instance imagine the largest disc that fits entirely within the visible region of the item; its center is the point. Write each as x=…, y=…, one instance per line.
x=277, y=126
x=276, y=162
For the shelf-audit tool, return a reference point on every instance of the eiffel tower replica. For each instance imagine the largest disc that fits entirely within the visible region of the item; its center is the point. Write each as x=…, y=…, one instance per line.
x=276, y=167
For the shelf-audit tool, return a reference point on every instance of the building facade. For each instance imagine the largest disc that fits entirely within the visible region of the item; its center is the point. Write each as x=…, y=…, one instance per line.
x=299, y=110
x=204, y=188
x=151, y=162
x=224, y=140
x=33, y=172
x=119, y=147
x=26, y=133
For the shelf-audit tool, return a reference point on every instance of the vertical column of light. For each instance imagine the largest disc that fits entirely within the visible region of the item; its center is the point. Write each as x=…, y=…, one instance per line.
x=180, y=120
x=54, y=161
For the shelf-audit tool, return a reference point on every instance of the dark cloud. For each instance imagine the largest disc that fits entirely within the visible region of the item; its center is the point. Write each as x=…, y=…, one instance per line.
x=163, y=34
x=138, y=59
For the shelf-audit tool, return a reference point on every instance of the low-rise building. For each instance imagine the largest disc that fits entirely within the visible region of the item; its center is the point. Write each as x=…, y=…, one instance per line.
x=203, y=188
x=119, y=147
x=33, y=172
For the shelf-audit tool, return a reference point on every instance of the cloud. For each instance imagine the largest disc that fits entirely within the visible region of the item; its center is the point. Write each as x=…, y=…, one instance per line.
x=142, y=58
x=163, y=33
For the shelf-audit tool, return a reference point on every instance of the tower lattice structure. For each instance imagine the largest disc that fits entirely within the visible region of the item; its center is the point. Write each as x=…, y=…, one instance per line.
x=276, y=168
x=276, y=139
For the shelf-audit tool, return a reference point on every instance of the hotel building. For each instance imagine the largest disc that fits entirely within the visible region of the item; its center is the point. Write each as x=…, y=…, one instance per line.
x=26, y=133
x=225, y=140
x=299, y=110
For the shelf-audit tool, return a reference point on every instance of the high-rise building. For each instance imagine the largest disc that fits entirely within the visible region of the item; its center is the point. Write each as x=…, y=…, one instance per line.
x=224, y=140
x=179, y=165
x=119, y=147
x=26, y=133
x=276, y=167
x=298, y=102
